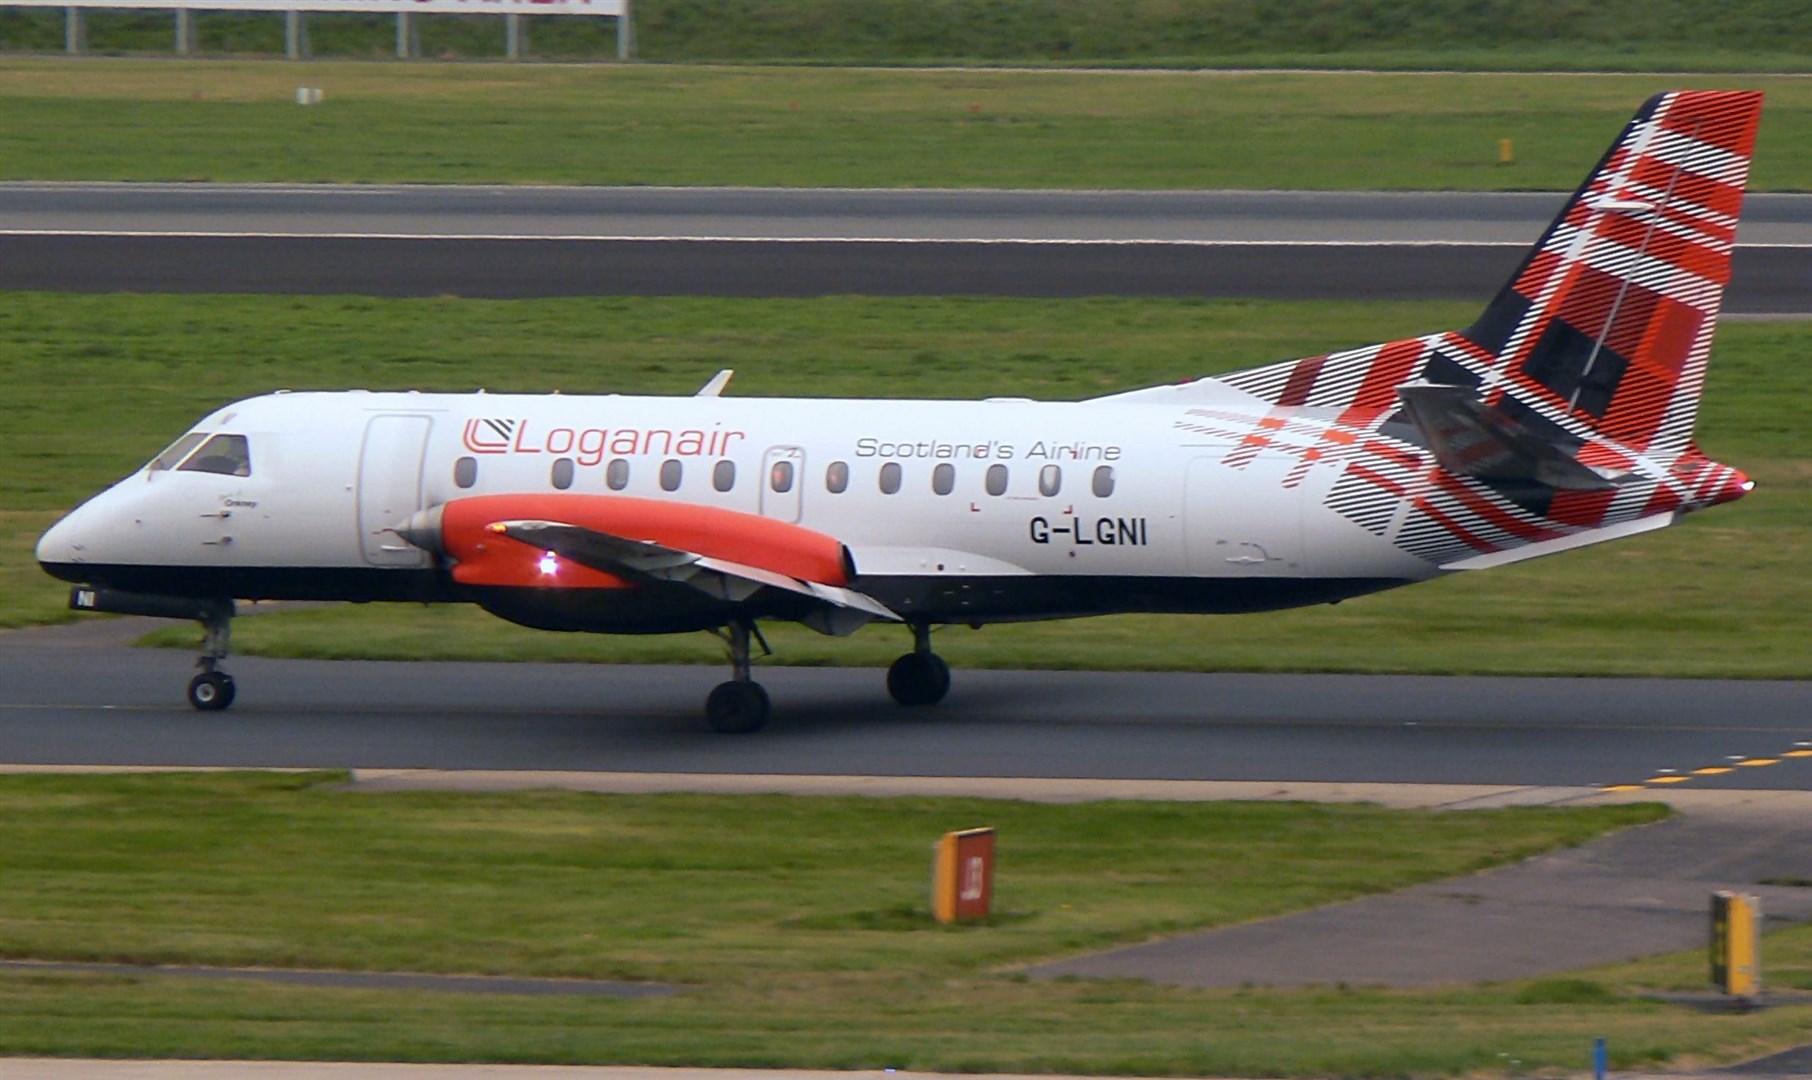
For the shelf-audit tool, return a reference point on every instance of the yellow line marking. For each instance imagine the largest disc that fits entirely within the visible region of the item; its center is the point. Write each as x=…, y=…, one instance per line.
x=1713, y=770
x=1668, y=779
x=1798, y=753
x=1754, y=761
x=1621, y=787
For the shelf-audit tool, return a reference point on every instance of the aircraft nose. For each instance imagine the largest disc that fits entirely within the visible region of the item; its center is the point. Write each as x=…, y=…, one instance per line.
x=61, y=550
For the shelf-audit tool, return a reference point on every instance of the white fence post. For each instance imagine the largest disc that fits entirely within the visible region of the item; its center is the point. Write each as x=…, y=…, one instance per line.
x=185, y=32
x=294, y=44
x=75, y=31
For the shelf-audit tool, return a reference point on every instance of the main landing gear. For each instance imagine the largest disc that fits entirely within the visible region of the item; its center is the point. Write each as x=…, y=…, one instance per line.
x=212, y=690
x=920, y=677
x=739, y=706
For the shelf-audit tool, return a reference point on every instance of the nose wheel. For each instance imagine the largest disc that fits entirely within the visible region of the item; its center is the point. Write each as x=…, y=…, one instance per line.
x=212, y=690
x=739, y=706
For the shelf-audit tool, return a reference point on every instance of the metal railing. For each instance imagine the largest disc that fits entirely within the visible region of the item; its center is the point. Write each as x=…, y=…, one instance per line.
x=295, y=36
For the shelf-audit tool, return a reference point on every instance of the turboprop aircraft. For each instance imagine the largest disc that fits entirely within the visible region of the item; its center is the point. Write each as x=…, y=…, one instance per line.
x=1562, y=417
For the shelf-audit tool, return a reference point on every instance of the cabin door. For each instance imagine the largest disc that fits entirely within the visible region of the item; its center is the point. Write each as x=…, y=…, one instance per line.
x=390, y=487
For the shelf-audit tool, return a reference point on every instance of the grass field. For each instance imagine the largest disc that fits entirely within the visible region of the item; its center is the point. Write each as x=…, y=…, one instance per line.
x=799, y=934
x=1617, y=35
x=818, y=127
x=100, y=383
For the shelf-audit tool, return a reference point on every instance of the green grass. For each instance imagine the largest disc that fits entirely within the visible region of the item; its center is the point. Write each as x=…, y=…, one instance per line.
x=816, y=127
x=1653, y=35
x=800, y=933
x=99, y=383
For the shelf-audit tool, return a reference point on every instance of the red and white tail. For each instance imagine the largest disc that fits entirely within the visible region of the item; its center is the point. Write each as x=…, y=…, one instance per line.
x=1610, y=318
x=1568, y=407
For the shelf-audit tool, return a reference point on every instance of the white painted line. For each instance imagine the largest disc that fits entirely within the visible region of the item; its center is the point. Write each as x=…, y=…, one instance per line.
x=185, y=234
x=177, y=234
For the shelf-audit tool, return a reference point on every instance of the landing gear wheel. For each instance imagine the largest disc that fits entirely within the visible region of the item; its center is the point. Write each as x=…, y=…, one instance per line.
x=211, y=691
x=737, y=708
x=919, y=678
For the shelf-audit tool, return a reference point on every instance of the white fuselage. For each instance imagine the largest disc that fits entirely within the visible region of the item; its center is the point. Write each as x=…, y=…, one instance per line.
x=955, y=510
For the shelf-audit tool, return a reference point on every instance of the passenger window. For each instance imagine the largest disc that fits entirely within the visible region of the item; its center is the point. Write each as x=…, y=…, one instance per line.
x=997, y=479
x=227, y=455
x=943, y=478
x=890, y=478
x=781, y=477
x=562, y=475
x=465, y=472
x=176, y=451
x=836, y=477
x=1103, y=484
x=723, y=475
x=616, y=474
x=1050, y=480
x=671, y=471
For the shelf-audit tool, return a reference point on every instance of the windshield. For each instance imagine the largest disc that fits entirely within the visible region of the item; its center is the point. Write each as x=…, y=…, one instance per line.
x=176, y=451
x=227, y=455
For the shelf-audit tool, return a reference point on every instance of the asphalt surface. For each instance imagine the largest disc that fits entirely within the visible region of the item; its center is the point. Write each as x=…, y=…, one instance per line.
x=1629, y=895
x=509, y=242
x=360, y=980
x=66, y=699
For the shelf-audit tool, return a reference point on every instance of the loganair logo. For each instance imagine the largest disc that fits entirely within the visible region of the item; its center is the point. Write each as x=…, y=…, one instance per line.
x=489, y=436
x=591, y=445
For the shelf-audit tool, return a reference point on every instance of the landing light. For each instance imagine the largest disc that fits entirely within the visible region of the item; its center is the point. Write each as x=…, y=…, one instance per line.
x=549, y=563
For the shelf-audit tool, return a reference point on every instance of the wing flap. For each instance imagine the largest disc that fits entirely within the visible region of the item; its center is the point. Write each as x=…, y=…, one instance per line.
x=648, y=562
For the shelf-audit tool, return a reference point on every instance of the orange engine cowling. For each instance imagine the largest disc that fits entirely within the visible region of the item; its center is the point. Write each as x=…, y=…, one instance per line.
x=461, y=530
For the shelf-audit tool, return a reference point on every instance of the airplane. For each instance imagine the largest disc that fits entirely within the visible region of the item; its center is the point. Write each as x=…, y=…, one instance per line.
x=1562, y=417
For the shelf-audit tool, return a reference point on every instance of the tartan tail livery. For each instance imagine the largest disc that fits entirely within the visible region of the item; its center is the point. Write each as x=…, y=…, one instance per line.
x=1564, y=415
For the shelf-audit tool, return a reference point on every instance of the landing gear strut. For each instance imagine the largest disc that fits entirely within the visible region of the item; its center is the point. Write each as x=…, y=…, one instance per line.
x=212, y=690
x=920, y=677
x=740, y=705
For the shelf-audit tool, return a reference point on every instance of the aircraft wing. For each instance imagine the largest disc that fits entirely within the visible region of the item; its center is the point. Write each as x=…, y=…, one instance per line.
x=583, y=541
x=647, y=562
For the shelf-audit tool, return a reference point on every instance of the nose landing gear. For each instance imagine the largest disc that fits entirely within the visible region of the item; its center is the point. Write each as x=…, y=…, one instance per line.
x=212, y=690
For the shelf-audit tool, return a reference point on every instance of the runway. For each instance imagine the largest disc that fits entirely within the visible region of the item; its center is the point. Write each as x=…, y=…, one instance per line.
x=523, y=242
x=1176, y=726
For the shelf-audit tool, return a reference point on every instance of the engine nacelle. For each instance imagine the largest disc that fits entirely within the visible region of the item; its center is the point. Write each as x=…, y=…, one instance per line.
x=461, y=531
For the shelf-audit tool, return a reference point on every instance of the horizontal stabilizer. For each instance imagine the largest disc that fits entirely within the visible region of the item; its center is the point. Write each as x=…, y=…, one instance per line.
x=1492, y=559
x=1469, y=438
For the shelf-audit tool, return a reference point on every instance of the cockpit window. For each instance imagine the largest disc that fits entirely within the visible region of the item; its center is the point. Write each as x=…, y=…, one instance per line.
x=176, y=451
x=227, y=455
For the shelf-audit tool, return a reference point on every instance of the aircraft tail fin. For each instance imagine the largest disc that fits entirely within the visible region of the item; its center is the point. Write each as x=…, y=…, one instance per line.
x=1606, y=326
x=1569, y=404
x=1609, y=319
